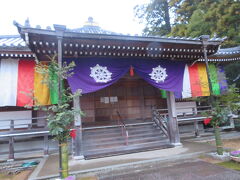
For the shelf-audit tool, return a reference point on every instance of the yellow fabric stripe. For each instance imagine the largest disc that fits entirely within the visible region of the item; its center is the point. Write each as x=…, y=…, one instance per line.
x=41, y=90
x=202, y=71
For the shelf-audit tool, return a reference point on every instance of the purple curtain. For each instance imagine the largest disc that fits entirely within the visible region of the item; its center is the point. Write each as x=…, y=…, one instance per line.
x=92, y=74
x=222, y=79
x=161, y=74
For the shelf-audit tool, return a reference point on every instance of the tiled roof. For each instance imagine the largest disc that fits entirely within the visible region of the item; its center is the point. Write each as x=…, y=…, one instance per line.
x=233, y=50
x=11, y=41
x=92, y=27
x=13, y=46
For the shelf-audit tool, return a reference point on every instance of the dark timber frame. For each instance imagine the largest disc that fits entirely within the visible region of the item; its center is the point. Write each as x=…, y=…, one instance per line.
x=66, y=43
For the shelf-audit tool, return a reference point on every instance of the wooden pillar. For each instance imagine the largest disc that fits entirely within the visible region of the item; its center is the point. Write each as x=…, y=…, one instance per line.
x=59, y=29
x=78, y=141
x=204, y=39
x=173, y=130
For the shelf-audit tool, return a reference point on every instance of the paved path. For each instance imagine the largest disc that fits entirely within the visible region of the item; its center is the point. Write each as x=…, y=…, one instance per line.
x=194, y=170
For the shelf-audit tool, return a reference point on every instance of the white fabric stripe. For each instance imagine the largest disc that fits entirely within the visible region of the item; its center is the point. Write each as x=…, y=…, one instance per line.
x=8, y=82
x=187, y=93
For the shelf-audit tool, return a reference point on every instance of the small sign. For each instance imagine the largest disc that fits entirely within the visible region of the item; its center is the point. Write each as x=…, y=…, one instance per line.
x=106, y=100
x=102, y=99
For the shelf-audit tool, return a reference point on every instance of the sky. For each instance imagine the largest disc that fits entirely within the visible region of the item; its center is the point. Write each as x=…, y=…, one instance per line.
x=112, y=15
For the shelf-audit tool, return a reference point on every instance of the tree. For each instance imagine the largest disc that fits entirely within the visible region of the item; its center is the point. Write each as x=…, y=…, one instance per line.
x=222, y=108
x=194, y=18
x=156, y=15
x=233, y=74
x=60, y=116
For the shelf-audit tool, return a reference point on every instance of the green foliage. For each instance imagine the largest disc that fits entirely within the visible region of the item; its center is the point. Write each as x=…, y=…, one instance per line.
x=60, y=116
x=223, y=106
x=192, y=18
x=230, y=165
x=156, y=16
x=233, y=73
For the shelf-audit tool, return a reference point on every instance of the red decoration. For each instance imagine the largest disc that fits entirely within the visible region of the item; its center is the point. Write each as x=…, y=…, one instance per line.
x=73, y=133
x=207, y=121
x=131, y=71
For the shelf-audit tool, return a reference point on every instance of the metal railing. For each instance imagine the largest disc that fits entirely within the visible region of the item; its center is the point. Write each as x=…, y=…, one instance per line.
x=122, y=124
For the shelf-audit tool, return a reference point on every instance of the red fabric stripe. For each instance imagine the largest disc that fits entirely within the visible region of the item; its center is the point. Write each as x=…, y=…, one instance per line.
x=194, y=80
x=25, y=82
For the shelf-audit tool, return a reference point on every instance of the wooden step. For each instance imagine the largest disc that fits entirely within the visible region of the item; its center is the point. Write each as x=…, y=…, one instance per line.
x=115, y=128
x=122, y=142
x=91, y=154
x=119, y=137
x=108, y=141
x=117, y=131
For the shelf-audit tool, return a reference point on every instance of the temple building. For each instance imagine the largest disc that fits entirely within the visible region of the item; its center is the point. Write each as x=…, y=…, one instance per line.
x=135, y=89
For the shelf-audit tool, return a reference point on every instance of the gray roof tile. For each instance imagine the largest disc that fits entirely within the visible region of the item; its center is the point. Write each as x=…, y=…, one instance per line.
x=11, y=41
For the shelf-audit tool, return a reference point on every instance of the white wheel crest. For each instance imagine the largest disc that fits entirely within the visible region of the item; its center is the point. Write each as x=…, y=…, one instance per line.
x=100, y=74
x=158, y=74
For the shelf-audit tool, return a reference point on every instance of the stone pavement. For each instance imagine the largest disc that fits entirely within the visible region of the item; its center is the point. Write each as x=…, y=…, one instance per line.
x=191, y=149
x=131, y=162
x=191, y=170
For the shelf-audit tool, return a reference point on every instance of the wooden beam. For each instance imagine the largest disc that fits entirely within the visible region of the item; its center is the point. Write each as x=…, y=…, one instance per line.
x=172, y=122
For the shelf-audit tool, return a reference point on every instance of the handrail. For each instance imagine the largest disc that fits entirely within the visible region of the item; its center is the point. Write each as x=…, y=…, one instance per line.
x=123, y=127
x=160, y=121
x=13, y=125
x=44, y=117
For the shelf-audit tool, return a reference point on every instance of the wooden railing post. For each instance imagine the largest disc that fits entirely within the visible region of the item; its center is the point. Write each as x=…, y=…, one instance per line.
x=172, y=122
x=196, y=127
x=78, y=141
x=11, y=142
x=46, y=145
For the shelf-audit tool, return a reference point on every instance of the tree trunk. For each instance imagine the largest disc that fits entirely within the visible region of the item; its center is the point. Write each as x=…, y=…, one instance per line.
x=218, y=140
x=167, y=16
x=64, y=159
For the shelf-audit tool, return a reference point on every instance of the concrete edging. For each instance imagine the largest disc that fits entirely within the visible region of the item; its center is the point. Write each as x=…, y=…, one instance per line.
x=128, y=165
x=36, y=171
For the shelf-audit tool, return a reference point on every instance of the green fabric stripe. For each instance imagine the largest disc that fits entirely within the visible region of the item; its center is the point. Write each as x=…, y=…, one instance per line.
x=53, y=86
x=163, y=93
x=214, y=79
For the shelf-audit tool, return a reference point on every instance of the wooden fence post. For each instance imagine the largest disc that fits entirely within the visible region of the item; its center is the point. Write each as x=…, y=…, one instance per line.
x=11, y=142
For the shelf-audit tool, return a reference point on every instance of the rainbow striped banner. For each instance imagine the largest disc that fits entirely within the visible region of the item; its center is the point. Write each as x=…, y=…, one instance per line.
x=20, y=83
x=195, y=81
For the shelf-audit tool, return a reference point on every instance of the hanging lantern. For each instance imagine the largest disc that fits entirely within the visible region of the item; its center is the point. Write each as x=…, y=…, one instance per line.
x=131, y=71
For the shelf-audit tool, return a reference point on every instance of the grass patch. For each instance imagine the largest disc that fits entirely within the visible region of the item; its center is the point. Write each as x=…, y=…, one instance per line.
x=6, y=177
x=230, y=165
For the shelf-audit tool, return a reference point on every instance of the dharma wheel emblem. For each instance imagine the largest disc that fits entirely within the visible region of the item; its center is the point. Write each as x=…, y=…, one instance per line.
x=158, y=74
x=100, y=74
